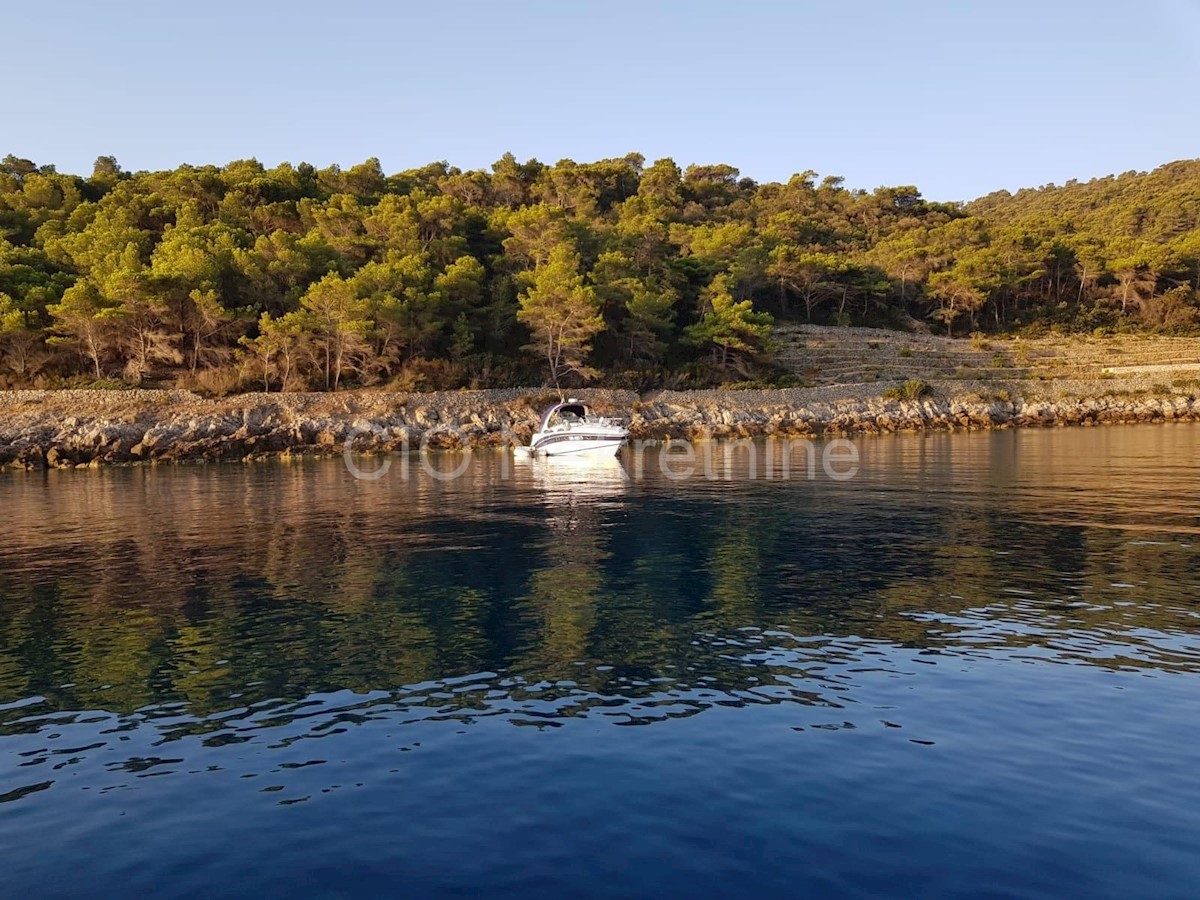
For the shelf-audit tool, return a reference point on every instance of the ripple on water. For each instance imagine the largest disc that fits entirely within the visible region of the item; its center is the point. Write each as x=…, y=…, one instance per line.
x=968, y=667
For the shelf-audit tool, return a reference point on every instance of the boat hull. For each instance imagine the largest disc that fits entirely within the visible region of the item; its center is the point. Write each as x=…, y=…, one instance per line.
x=572, y=444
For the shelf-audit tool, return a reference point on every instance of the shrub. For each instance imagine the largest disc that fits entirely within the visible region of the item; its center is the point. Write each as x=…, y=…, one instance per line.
x=428, y=375
x=1035, y=330
x=88, y=383
x=906, y=353
x=537, y=400
x=913, y=389
x=639, y=380
x=217, y=381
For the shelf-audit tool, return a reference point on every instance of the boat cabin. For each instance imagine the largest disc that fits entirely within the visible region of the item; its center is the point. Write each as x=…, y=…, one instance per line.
x=568, y=413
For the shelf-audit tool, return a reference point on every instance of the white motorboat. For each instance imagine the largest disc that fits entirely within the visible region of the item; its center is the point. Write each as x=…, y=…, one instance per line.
x=570, y=427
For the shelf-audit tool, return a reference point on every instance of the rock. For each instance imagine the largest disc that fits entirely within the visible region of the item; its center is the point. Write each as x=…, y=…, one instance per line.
x=87, y=427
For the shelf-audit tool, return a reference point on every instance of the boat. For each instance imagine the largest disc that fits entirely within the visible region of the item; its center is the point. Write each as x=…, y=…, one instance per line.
x=571, y=427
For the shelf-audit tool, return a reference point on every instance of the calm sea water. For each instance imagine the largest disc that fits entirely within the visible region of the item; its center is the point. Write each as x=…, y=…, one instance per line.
x=971, y=670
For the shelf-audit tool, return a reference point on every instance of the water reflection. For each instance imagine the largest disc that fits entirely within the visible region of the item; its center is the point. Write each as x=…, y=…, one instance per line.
x=571, y=478
x=146, y=608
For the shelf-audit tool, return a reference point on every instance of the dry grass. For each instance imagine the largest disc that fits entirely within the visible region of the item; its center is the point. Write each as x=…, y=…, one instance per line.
x=848, y=356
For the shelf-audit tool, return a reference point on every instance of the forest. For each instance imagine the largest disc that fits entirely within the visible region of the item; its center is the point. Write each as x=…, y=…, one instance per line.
x=615, y=272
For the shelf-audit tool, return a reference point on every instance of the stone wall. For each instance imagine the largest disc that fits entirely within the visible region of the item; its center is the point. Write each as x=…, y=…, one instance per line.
x=79, y=428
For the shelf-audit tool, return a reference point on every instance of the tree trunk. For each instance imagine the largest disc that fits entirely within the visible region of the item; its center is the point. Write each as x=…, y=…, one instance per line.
x=95, y=354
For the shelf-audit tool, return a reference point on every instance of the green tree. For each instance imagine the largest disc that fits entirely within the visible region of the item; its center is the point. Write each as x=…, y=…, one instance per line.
x=650, y=317
x=534, y=233
x=340, y=320
x=170, y=268
x=206, y=322
x=811, y=276
x=19, y=344
x=638, y=308
x=279, y=350
x=461, y=284
x=406, y=305
x=85, y=319
x=145, y=338
x=735, y=332
x=562, y=314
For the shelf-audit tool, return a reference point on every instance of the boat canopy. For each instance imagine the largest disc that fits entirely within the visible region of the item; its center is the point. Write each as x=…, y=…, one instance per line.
x=571, y=407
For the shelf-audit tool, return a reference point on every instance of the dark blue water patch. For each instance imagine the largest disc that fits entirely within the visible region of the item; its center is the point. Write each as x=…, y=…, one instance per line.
x=895, y=776
x=971, y=671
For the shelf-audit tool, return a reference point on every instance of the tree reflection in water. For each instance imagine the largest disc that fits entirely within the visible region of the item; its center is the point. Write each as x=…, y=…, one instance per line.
x=208, y=599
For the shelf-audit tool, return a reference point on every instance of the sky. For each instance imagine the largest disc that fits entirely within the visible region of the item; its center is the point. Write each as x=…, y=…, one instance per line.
x=957, y=97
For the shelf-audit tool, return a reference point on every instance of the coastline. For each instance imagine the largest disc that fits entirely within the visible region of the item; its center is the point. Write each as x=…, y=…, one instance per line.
x=62, y=429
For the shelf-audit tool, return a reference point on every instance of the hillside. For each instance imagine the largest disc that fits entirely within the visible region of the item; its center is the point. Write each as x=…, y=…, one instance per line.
x=827, y=356
x=616, y=272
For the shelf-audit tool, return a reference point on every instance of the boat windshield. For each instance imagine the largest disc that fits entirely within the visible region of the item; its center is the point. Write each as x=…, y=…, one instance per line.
x=564, y=412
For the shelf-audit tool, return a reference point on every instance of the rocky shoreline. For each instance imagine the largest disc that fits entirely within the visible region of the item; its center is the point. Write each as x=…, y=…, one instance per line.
x=46, y=429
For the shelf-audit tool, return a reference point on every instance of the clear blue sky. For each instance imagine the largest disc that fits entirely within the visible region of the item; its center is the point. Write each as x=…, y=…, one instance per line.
x=957, y=97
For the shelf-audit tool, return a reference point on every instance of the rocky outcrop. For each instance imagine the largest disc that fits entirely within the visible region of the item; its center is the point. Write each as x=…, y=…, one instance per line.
x=722, y=414
x=82, y=428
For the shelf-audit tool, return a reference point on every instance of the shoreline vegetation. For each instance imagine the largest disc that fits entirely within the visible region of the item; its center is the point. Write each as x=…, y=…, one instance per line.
x=240, y=311
x=618, y=273
x=79, y=428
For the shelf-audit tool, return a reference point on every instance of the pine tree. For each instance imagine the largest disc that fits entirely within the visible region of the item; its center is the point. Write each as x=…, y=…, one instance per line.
x=340, y=320
x=85, y=319
x=563, y=315
x=732, y=328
